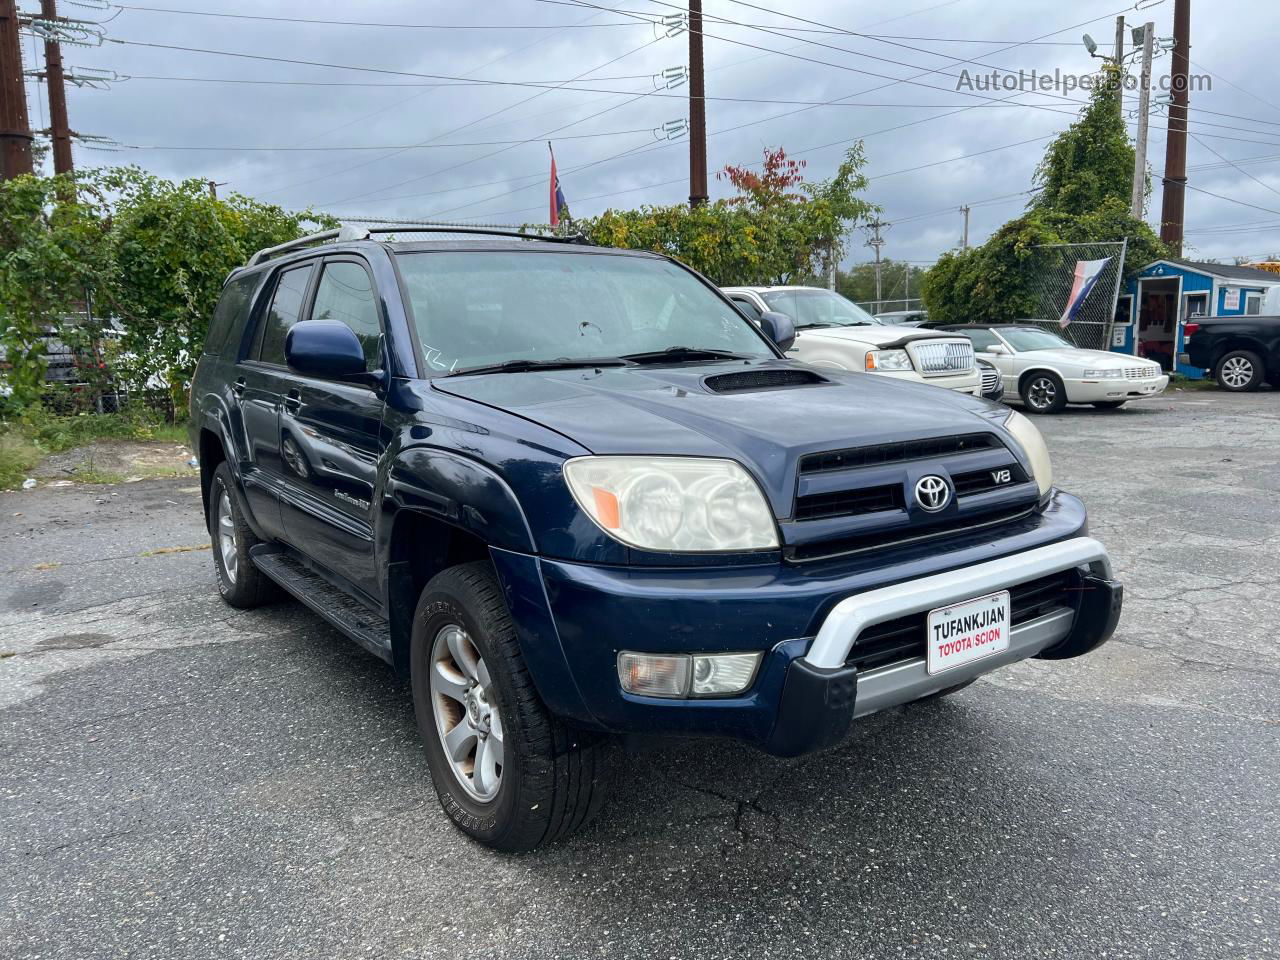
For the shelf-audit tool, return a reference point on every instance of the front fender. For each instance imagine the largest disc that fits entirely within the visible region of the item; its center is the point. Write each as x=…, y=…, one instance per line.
x=461, y=492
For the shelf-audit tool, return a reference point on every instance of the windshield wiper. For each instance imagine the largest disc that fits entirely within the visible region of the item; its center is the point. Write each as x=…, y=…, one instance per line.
x=679, y=354
x=816, y=323
x=523, y=366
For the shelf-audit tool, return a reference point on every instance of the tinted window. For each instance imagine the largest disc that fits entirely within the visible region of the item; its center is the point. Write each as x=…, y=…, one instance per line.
x=981, y=338
x=233, y=308
x=286, y=303
x=480, y=308
x=345, y=294
x=751, y=309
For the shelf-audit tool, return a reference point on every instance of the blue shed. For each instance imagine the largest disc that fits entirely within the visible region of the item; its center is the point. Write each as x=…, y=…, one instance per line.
x=1153, y=310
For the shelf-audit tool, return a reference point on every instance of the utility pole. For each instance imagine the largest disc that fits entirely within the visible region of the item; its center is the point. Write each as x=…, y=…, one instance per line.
x=875, y=243
x=906, y=285
x=964, y=236
x=1138, y=195
x=15, y=125
x=697, y=110
x=1173, y=213
x=1119, y=76
x=59, y=128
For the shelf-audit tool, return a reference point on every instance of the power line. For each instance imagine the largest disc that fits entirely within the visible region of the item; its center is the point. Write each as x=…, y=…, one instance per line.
x=396, y=147
x=1234, y=165
x=365, y=23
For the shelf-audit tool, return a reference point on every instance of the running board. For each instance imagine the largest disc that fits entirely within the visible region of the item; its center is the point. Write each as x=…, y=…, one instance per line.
x=343, y=611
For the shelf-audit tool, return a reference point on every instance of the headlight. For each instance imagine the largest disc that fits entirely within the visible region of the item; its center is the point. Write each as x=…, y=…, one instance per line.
x=673, y=504
x=1025, y=432
x=888, y=360
x=1103, y=374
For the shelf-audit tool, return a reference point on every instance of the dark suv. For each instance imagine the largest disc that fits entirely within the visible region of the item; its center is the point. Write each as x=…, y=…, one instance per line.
x=572, y=493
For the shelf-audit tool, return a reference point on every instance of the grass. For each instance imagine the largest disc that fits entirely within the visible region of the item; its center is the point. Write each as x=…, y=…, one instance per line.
x=36, y=433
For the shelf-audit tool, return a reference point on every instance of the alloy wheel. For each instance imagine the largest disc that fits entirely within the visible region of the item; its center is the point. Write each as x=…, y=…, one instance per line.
x=1237, y=372
x=225, y=530
x=1042, y=393
x=466, y=713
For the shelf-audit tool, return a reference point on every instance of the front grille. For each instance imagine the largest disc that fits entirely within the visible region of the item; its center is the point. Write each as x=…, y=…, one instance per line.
x=883, y=453
x=904, y=638
x=850, y=503
x=943, y=357
x=885, y=540
x=751, y=380
x=1141, y=373
x=982, y=481
x=990, y=378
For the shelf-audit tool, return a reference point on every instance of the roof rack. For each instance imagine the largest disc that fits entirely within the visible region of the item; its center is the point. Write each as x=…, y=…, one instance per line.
x=349, y=232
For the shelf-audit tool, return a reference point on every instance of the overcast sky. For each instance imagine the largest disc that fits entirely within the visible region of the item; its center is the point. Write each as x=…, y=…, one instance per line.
x=614, y=106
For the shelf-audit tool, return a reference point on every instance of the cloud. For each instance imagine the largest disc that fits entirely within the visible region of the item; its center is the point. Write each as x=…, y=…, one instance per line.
x=507, y=182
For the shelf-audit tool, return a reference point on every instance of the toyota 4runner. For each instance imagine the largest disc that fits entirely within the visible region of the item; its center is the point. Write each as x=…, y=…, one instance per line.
x=572, y=493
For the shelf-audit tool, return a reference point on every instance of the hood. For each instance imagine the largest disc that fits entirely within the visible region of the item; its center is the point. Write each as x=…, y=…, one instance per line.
x=1080, y=356
x=670, y=410
x=880, y=336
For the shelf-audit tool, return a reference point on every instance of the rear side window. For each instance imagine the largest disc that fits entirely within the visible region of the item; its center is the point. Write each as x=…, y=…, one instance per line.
x=286, y=304
x=231, y=312
x=346, y=294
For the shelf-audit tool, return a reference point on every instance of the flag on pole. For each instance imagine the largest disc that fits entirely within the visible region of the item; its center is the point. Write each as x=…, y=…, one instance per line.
x=557, y=195
x=1086, y=275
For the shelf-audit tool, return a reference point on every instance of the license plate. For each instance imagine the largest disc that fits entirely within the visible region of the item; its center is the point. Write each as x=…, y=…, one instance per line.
x=967, y=631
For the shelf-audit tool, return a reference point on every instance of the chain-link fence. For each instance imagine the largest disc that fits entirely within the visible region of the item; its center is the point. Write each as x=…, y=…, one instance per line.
x=1065, y=288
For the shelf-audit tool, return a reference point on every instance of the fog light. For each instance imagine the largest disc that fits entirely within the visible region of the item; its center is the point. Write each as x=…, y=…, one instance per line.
x=723, y=673
x=654, y=675
x=684, y=675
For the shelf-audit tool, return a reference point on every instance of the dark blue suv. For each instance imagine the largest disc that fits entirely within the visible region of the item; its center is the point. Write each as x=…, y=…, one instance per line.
x=573, y=493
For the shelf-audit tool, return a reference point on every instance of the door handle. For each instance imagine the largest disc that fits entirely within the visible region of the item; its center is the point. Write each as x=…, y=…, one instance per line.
x=293, y=401
x=238, y=386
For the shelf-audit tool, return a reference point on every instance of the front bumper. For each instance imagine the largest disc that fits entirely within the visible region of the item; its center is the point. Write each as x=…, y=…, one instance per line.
x=970, y=382
x=573, y=619
x=1096, y=391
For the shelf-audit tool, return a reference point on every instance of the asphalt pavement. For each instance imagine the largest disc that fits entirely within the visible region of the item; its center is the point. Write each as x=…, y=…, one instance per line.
x=181, y=779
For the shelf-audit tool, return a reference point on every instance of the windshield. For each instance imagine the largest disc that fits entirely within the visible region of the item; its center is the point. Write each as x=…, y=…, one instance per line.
x=478, y=309
x=1029, y=338
x=818, y=308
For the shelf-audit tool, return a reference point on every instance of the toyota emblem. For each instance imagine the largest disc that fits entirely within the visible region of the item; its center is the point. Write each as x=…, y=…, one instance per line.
x=932, y=493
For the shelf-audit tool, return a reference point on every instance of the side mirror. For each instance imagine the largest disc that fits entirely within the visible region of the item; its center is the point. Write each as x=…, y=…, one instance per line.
x=996, y=349
x=325, y=348
x=779, y=328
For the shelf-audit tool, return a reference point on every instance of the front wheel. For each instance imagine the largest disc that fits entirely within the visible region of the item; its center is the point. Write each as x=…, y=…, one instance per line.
x=1240, y=370
x=1044, y=393
x=507, y=772
x=239, y=581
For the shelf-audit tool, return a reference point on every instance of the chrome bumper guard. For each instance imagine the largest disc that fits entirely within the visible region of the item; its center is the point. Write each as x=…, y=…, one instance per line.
x=849, y=617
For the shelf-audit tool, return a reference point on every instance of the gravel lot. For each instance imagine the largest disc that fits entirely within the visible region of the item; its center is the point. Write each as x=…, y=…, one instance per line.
x=181, y=779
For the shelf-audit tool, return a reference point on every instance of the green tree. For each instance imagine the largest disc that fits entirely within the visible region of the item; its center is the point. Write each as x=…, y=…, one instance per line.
x=1084, y=182
x=777, y=229
x=53, y=254
x=173, y=246
x=898, y=280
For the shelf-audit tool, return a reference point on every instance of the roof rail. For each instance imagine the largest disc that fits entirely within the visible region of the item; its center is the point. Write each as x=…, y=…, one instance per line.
x=349, y=232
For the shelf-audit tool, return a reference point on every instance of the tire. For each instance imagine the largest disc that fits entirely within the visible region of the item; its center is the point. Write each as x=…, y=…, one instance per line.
x=532, y=780
x=946, y=691
x=1043, y=392
x=240, y=582
x=1109, y=404
x=1240, y=371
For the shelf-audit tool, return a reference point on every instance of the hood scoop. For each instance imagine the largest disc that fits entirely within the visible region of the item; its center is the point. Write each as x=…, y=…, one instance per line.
x=752, y=381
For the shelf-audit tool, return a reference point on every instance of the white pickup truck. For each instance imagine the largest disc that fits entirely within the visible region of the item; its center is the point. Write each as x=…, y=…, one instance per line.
x=834, y=332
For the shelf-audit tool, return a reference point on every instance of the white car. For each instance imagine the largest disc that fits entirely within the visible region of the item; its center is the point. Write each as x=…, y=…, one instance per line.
x=837, y=333
x=1047, y=372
